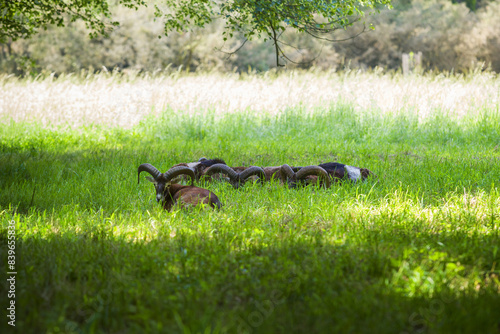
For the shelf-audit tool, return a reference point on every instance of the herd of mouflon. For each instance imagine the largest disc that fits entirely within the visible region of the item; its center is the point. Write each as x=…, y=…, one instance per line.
x=169, y=190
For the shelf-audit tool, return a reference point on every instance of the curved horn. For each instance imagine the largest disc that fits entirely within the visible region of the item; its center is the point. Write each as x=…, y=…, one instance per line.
x=286, y=172
x=179, y=170
x=314, y=170
x=221, y=168
x=155, y=173
x=254, y=170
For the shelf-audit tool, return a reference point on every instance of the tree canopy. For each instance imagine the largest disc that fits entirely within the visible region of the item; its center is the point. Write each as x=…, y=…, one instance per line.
x=268, y=19
x=250, y=18
x=22, y=18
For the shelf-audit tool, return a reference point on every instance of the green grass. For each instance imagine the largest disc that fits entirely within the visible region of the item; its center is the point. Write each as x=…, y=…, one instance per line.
x=412, y=251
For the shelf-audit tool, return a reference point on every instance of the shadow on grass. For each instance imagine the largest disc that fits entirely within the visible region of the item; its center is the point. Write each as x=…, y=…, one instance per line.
x=94, y=281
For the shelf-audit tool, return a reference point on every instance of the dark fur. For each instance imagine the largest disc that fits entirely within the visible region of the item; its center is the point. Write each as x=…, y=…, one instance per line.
x=208, y=163
x=200, y=168
x=204, y=165
x=334, y=169
x=337, y=171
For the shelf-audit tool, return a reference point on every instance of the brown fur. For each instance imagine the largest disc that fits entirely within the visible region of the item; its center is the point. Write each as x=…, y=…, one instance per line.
x=273, y=172
x=189, y=195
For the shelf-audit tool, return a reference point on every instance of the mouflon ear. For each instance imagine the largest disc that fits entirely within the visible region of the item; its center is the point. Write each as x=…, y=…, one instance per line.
x=150, y=179
x=366, y=172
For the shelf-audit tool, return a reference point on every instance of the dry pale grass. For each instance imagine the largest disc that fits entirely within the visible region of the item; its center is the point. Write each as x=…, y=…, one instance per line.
x=124, y=99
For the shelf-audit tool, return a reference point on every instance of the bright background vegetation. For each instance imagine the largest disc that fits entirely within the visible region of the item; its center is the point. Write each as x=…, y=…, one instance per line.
x=414, y=250
x=451, y=36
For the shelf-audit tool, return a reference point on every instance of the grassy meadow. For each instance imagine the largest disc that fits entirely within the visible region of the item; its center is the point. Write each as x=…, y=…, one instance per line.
x=414, y=250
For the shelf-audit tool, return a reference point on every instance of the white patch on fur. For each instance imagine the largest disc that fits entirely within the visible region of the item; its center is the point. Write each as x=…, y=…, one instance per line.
x=193, y=164
x=353, y=172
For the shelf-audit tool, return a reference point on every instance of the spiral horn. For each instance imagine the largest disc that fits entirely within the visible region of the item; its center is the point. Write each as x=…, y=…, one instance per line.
x=314, y=170
x=225, y=169
x=179, y=170
x=155, y=173
x=251, y=171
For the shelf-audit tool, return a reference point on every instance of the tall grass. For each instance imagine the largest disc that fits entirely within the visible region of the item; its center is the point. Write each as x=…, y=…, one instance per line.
x=123, y=99
x=413, y=250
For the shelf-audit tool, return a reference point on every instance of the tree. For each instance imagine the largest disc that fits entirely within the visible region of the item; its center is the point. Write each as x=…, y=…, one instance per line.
x=22, y=18
x=251, y=18
x=269, y=18
x=471, y=4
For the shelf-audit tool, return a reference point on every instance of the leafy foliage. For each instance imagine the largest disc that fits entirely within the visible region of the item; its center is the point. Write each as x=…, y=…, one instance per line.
x=471, y=4
x=248, y=17
x=268, y=19
x=450, y=36
x=22, y=19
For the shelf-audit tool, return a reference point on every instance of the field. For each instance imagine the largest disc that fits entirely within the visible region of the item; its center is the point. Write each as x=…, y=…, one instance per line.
x=414, y=250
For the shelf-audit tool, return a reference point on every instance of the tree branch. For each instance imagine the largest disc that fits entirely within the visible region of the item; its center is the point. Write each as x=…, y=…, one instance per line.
x=298, y=50
x=276, y=46
x=336, y=40
x=230, y=53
